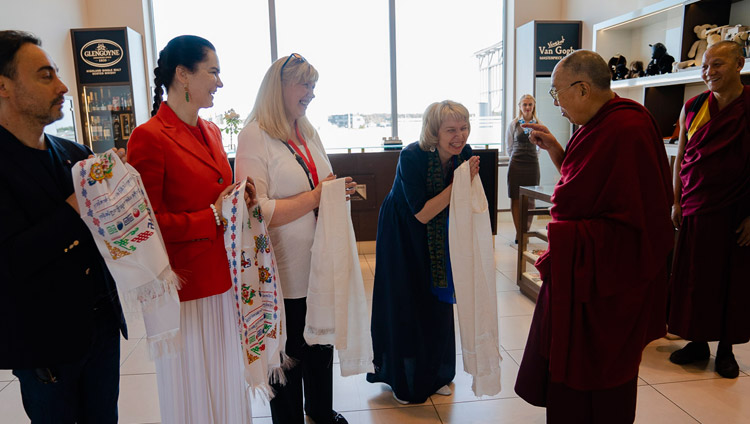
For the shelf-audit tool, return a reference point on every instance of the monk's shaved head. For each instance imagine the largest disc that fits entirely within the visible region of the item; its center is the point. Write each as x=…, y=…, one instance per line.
x=730, y=48
x=589, y=66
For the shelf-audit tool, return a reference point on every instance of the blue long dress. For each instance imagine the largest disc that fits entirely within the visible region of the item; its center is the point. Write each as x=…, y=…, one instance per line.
x=413, y=333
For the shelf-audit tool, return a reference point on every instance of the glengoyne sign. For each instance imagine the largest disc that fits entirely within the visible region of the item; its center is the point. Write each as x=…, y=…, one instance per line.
x=101, y=57
x=554, y=41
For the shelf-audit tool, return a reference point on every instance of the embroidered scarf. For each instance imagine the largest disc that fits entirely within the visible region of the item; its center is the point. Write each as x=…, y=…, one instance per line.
x=436, y=227
x=258, y=298
x=114, y=205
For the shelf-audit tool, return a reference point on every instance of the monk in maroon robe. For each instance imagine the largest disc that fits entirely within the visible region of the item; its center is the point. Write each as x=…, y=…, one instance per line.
x=710, y=284
x=604, y=275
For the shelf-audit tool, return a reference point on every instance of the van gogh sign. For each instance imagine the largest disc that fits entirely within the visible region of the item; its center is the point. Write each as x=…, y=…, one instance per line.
x=101, y=55
x=554, y=41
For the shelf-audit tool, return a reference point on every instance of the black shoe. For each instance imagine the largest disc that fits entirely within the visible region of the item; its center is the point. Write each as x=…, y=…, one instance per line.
x=727, y=366
x=692, y=352
x=334, y=418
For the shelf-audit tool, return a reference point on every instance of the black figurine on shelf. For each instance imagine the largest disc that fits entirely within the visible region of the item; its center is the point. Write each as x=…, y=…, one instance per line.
x=618, y=66
x=636, y=69
x=661, y=61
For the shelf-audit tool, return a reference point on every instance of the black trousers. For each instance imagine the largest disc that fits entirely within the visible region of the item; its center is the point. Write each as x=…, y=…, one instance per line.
x=85, y=391
x=314, y=368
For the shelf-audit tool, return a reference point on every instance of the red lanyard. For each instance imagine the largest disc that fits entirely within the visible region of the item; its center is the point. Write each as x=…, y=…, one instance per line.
x=309, y=162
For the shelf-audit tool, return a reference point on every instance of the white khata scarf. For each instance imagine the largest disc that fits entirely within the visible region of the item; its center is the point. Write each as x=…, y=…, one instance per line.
x=258, y=298
x=114, y=205
x=473, y=266
x=336, y=303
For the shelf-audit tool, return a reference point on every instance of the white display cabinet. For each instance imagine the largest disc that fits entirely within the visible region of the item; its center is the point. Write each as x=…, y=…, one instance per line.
x=670, y=22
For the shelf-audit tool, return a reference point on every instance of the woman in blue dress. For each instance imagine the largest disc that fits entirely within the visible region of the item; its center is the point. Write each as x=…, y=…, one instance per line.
x=412, y=309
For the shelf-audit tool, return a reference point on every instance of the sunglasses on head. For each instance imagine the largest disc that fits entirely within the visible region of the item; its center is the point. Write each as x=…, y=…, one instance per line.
x=297, y=59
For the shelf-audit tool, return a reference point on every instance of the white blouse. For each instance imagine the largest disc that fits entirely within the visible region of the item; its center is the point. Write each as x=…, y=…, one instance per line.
x=278, y=175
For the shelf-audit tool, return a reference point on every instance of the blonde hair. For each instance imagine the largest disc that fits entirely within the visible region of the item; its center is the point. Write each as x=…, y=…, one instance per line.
x=533, y=112
x=433, y=118
x=269, y=109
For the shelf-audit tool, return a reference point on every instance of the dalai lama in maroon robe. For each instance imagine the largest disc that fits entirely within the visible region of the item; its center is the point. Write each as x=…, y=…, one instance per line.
x=603, y=296
x=710, y=289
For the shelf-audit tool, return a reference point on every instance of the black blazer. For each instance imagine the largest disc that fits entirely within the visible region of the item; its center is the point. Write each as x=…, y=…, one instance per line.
x=51, y=272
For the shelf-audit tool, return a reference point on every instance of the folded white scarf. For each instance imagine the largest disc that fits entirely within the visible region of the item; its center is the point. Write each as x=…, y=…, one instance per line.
x=114, y=205
x=259, y=302
x=336, y=303
x=473, y=265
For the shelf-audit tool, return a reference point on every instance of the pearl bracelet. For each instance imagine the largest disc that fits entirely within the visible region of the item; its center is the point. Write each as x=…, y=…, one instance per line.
x=216, y=214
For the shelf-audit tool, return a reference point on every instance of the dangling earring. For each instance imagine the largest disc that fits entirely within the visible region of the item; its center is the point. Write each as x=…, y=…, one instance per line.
x=187, y=94
x=432, y=149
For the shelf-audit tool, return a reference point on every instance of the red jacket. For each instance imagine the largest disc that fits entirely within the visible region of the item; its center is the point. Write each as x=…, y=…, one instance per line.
x=182, y=179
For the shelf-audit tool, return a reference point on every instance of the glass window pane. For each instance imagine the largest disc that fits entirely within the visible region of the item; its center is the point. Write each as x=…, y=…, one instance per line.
x=436, y=44
x=239, y=30
x=347, y=42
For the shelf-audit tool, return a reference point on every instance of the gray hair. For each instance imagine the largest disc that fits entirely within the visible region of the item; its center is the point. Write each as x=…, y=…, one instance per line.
x=433, y=118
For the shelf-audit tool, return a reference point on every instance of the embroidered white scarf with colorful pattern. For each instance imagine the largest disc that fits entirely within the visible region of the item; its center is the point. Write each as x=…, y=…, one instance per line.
x=114, y=205
x=258, y=297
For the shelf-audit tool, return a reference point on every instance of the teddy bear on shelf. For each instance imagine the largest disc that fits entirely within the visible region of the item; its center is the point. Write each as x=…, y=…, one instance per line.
x=636, y=70
x=698, y=48
x=661, y=61
x=618, y=67
x=743, y=39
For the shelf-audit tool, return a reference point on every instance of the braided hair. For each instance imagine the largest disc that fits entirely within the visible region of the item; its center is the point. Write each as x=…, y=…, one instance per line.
x=186, y=51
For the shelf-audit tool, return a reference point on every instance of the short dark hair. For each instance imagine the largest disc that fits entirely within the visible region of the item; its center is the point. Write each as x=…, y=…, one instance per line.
x=185, y=50
x=10, y=42
x=735, y=50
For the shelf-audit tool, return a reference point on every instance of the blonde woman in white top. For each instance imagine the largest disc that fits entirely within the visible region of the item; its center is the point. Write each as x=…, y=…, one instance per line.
x=282, y=152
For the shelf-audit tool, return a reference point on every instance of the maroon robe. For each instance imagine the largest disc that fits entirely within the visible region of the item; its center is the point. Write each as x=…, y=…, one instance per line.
x=604, y=275
x=710, y=286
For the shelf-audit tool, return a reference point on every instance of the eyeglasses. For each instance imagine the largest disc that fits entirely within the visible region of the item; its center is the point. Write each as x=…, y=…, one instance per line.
x=297, y=59
x=556, y=93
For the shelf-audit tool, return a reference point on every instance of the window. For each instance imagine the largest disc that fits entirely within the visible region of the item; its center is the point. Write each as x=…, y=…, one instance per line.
x=240, y=32
x=444, y=50
x=436, y=44
x=347, y=42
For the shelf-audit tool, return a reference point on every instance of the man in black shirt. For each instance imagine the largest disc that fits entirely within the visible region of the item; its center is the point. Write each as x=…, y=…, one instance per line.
x=60, y=318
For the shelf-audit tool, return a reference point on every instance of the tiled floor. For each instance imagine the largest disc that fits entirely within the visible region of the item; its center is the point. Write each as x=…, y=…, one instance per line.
x=667, y=393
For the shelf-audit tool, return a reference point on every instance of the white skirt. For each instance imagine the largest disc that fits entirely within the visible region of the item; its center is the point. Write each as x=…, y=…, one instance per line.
x=203, y=383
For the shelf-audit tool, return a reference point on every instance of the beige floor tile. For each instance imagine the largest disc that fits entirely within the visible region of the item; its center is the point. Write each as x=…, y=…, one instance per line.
x=126, y=348
x=513, y=303
x=6, y=375
x=461, y=385
x=514, y=331
x=11, y=408
x=260, y=407
x=715, y=401
x=412, y=415
x=505, y=281
x=371, y=260
x=139, y=399
x=656, y=368
x=516, y=355
x=506, y=411
x=138, y=361
x=355, y=393
x=653, y=407
x=367, y=273
x=136, y=327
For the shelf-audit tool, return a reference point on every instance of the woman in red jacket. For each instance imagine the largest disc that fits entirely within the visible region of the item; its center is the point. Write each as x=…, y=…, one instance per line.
x=186, y=174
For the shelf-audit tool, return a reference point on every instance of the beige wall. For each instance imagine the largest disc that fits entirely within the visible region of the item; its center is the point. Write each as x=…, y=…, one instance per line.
x=52, y=20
